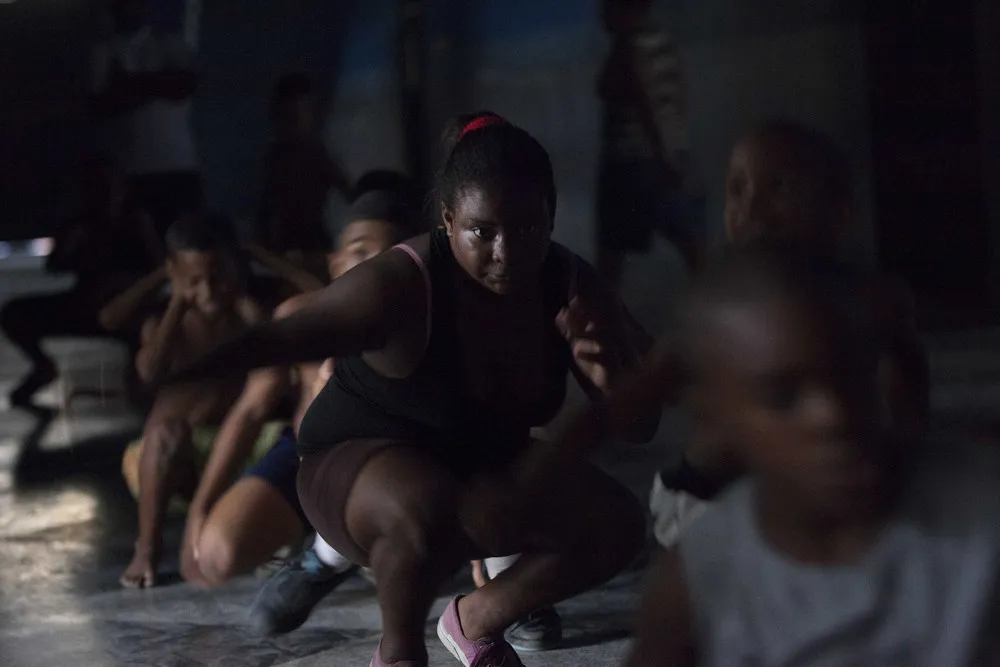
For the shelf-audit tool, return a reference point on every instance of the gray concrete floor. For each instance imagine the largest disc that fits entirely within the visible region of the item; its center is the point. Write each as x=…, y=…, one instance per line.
x=67, y=522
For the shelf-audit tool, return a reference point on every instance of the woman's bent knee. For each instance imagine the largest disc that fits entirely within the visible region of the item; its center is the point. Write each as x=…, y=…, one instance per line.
x=411, y=547
x=402, y=499
x=417, y=534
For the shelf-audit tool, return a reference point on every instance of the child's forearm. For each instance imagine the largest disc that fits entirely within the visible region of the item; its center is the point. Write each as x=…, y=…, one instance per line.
x=156, y=356
x=120, y=310
x=240, y=430
x=231, y=449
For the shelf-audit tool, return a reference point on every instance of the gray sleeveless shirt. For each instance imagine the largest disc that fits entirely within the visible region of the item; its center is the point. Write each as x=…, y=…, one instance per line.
x=925, y=594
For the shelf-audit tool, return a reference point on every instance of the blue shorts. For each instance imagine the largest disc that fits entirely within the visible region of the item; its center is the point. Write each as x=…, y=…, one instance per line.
x=279, y=468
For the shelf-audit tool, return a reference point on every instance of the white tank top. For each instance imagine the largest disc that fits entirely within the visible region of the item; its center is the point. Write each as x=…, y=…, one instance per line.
x=923, y=595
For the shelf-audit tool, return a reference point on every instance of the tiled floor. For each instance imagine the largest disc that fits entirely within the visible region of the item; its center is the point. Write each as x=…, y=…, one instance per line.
x=66, y=528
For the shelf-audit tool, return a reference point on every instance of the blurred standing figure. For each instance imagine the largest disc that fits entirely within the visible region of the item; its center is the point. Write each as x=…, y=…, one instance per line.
x=141, y=87
x=107, y=247
x=641, y=178
x=298, y=177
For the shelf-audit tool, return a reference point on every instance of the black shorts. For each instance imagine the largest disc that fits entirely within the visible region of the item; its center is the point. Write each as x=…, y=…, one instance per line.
x=327, y=476
x=635, y=199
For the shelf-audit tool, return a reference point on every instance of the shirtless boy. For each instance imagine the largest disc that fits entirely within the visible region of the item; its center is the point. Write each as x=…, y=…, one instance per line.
x=207, y=303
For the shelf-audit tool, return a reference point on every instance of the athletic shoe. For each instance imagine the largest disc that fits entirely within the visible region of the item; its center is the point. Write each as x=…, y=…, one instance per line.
x=286, y=599
x=539, y=631
x=481, y=653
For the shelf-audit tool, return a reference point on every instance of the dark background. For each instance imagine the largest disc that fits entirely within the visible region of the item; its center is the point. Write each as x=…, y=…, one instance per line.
x=907, y=88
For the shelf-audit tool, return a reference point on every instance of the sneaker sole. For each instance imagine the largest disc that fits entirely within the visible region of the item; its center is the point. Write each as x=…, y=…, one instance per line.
x=450, y=644
x=535, y=647
x=368, y=575
x=295, y=621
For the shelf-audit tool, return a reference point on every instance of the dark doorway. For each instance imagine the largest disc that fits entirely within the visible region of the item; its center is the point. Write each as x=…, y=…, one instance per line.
x=933, y=228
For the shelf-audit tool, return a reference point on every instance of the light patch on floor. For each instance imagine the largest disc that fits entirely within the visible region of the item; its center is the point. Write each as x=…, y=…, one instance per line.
x=61, y=509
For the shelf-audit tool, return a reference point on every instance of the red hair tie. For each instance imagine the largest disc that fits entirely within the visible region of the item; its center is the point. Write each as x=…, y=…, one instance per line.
x=480, y=123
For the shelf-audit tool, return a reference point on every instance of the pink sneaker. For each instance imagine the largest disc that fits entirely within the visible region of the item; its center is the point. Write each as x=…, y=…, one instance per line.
x=493, y=652
x=378, y=662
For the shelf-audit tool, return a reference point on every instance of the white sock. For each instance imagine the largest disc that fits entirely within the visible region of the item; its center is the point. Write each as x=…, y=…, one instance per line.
x=330, y=556
x=494, y=566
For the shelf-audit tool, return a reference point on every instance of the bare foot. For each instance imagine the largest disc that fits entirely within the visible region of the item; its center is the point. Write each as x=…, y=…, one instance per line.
x=141, y=572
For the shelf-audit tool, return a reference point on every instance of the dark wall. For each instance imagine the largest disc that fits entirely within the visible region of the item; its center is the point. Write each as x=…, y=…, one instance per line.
x=988, y=40
x=42, y=69
x=933, y=103
x=531, y=60
x=245, y=46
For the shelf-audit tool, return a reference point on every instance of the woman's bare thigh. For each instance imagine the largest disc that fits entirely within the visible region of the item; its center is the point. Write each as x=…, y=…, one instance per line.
x=406, y=484
x=404, y=488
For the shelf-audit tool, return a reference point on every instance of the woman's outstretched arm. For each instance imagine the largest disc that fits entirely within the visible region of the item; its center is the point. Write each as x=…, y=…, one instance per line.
x=638, y=394
x=651, y=384
x=609, y=346
x=359, y=312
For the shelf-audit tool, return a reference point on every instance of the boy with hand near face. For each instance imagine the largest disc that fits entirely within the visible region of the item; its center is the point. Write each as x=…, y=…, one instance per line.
x=208, y=303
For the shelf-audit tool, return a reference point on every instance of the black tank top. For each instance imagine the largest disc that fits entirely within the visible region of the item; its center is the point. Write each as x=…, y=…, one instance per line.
x=431, y=407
